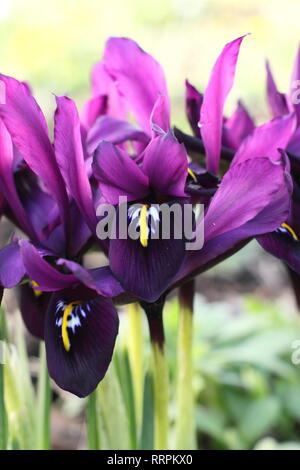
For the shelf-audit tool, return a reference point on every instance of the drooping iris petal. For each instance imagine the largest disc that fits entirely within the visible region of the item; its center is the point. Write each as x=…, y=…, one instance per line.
x=237, y=127
x=193, y=103
x=294, y=143
x=69, y=154
x=100, y=280
x=165, y=163
x=7, y=182
x=89, y=328
x=92, y=109
x=28, y=129
x=12, y=268
x=118, y=174
x=150, y=267
x=211, y=116
x=266, y=140
x=246, y=189
x=39, y=270
x=33, y=306
x=115, y=131
x=277, y=101
x=140, y=79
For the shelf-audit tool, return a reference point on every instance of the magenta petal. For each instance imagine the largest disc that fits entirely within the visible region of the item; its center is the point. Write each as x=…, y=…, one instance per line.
x=219, y=85
x=140, y=79
x=7, y=182
x=118, y=174
x=160, y=116
x=277, y=101
x=267, y=139
x=92, y=109
x=104, y=85
x=115, y=131
x=40, y=271
x=27, y=127
x=295, y=83
x=69, y=154
x=245, y=190
x=165, y=163
x=237, y=127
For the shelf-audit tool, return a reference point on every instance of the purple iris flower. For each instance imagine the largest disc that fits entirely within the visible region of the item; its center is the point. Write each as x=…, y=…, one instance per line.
x=51, y=199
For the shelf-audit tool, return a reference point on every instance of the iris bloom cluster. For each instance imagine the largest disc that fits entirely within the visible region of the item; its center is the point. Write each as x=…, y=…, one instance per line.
x=123, y=144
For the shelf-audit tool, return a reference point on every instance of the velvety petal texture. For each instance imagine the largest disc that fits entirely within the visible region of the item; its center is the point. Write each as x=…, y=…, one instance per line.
x=80, y=335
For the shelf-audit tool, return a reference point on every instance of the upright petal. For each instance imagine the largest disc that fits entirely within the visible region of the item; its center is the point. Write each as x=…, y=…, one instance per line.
x=211, y=118
x=295, y=83
x=104, y=85
x=193, y=103
x=165, y=163
x=140, y=79
x=160, y=116
x=27, y=127
x=118, y=174
x=69, y=154
x=277, y=101
x=80, y=335
x=93, y=108
x=267, y=139
x=7, y=182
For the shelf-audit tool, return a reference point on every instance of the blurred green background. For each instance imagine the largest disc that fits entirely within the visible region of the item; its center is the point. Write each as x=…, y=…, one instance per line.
x=53, y=43
x=247, y=388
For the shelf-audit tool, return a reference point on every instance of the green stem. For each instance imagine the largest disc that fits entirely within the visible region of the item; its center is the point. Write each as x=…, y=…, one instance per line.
x=3, y=415
x=160, y=374
x=93, y=436
x=44, y=403
x=136, y=356
x=185, y=423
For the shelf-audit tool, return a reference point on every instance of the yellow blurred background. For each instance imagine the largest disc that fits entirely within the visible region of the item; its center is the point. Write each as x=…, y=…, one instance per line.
x=53, y=43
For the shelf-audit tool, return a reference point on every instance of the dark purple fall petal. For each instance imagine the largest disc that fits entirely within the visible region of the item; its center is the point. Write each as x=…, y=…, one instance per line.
x=92, y=340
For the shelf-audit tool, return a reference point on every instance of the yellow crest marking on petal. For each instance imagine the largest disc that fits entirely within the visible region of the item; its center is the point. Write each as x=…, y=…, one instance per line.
x=192, y=174
x=64, y=325
x=36, y=292
x=292, y=232
x=144, y=231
